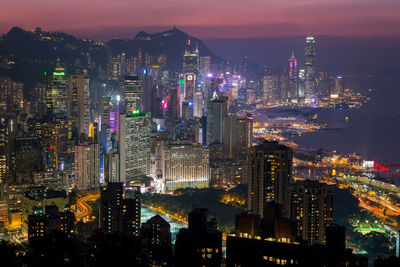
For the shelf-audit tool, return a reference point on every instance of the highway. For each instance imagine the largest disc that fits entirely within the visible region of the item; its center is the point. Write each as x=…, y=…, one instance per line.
x=83, y=209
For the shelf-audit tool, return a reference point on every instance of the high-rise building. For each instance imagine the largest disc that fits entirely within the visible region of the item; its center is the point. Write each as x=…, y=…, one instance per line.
x=198, y=105
x=87, y=166
x=339, y=87
x=11, y=94
x=79, y=106
x=238, y=136
x=293, y=78
x=311, y=204
x=157, y=233
x=191, y=59
x=201, y=243
x=134, y=145
x=270, y=88
x=120, y=209
x=269, y=176
x=292, y=66
x=245, y=67
x=56, y=87
x=133, y=93
x=217, y=112
x=310, y=67
x=185, y=165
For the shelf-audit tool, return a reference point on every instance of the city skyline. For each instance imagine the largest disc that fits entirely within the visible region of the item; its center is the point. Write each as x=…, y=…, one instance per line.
x=224, y=20
x=256, y=133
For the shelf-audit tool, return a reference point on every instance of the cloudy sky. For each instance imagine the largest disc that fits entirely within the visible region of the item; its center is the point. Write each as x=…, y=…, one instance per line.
x=105, y=19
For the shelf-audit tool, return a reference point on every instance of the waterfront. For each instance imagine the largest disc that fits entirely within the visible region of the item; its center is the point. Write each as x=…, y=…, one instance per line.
x=372, y=131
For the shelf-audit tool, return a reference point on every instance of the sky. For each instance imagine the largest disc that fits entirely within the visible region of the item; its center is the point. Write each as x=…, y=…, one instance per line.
x=105, y=19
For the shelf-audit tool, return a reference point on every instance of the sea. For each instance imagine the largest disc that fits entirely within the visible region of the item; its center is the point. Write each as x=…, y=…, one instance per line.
x=372, y=130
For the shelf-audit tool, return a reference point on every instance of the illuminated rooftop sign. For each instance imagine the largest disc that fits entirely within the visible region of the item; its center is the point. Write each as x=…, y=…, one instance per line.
x=135, y=112
x=58, y=73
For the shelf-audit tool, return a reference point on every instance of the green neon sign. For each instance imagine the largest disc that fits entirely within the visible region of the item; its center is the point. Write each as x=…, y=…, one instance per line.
x=135, y=112
x=58, y=73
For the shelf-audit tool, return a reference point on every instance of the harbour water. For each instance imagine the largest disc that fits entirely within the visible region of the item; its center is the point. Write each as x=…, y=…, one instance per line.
x=372, y=131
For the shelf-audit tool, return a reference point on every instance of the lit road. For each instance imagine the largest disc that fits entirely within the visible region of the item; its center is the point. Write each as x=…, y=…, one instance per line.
x=83, y=209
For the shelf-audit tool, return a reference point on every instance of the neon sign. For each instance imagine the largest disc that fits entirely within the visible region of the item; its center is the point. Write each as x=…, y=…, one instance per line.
x=58, y=73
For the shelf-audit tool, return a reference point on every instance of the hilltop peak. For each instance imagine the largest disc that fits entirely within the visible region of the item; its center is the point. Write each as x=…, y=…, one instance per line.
x=16, y=31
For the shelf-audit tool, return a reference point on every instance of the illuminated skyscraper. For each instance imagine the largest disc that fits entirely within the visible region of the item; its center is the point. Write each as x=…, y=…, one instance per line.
x=338, y=90
x=120, y=209
x=56, y=86
x=269, y=175
x=133, y=93
x=310, y=67
x=311, y=204
x=78, y=97
x=198, y=105
x=191, y=59
x=87, y=166
x=270, y=88
x=292, y=66
x=134, y=145
x=245, y=67
x=11, y=94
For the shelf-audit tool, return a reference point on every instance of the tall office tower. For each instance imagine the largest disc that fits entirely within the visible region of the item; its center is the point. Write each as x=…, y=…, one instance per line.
x=292, y=66
x=339, y=87
x=87, y=166
x=311, y=204
x=245, y=67
x=38, y=96
x=269, y=175
x=11, y=94
x=172, y=112
x=56, y=139
x=149, y=91
x=205, y=64
x=189, y=86
x=79, y=105
x=27, y=158
x=310, y=67
x=238, y=136
x=134, y=145
x=293, y=77
x=198, y=105
x=133, y=93
x=191, y=59
x=56, y=87
x=324, y=84
x=104, y=123
x=185, y=165
x=270, y=88
x=217, y=112
x=119, y=209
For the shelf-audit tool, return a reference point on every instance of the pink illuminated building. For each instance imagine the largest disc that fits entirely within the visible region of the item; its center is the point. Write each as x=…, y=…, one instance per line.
x=292, y=66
